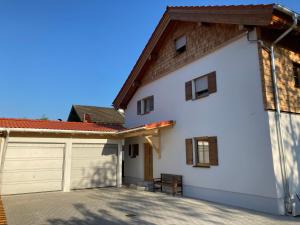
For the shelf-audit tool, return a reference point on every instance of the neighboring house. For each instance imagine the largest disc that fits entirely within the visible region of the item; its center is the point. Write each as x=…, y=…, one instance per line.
x=94, y=114
x=209, y=69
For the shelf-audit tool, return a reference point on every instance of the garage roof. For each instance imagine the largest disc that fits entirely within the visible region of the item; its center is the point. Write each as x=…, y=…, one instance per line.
x=56, y=125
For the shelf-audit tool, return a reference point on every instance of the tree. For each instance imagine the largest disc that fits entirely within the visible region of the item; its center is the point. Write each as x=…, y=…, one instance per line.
x=44, y=117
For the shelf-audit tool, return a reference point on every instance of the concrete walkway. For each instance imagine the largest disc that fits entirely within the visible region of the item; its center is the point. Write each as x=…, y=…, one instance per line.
x=110, y=206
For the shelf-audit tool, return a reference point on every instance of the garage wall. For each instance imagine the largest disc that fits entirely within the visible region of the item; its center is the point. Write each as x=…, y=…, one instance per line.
x=67, y=154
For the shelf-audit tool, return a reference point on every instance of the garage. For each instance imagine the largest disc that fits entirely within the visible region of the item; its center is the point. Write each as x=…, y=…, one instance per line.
x=32, y=167
x=94, y=165
x=44, y=156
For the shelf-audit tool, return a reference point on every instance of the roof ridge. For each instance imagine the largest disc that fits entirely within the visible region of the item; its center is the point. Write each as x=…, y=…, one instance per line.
x=102, y=107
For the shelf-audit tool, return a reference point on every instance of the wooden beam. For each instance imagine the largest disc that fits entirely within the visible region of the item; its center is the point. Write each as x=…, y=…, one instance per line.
x=154, y=141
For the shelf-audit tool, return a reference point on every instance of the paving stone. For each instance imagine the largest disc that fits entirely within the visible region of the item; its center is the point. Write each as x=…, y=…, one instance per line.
x=111, y=206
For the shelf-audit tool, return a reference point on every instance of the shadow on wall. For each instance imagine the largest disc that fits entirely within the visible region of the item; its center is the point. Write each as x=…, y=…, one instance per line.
x=290, y=122
x=98, y=173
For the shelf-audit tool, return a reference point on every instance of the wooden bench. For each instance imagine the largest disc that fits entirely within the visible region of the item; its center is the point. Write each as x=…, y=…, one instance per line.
x=168, y=181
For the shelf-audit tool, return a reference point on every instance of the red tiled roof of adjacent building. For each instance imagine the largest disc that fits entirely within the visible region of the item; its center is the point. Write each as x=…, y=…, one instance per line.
x=56, y=125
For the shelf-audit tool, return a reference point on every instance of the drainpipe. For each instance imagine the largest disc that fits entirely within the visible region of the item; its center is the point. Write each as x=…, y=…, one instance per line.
x=287, y=195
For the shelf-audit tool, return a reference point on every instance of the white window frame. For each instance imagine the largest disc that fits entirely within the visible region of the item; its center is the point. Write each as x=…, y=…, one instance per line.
x=194, y=96
x=195, y=148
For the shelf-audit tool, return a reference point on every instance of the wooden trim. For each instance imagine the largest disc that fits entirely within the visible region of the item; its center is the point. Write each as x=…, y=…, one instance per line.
x=188, y=91
x=189, y=151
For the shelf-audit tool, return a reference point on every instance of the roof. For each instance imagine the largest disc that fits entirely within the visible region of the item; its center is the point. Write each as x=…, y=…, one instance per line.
x=103, y=115
x=29, y=124
x=251, y=15
x=56, y=125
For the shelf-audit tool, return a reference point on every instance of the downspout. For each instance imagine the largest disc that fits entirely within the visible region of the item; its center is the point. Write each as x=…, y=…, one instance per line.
x=287, y=195
x=3, y=153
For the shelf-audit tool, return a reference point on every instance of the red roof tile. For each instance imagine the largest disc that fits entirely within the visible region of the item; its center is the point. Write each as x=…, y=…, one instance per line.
x=56, y=125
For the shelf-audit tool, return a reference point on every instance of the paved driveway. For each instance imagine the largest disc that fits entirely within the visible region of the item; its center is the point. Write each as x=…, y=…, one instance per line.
x=125, y=206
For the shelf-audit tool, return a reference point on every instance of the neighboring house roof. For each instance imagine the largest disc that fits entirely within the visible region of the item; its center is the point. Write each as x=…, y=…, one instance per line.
x=56, y=125
x=249, y=15
x=103, y=115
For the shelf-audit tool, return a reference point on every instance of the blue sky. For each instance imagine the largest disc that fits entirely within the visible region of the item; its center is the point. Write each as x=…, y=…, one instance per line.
x=55, y=53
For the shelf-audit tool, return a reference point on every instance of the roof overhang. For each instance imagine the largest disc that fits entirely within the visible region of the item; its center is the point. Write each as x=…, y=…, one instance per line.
x=148, y=129
x=145, y=130
x=248, y=15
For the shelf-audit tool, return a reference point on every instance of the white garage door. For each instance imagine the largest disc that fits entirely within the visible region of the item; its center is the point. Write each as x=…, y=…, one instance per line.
x=94, y=165
x=32, y=167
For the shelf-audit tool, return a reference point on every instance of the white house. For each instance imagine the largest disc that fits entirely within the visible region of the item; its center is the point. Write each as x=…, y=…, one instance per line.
x=214, y=97
x=236, y=134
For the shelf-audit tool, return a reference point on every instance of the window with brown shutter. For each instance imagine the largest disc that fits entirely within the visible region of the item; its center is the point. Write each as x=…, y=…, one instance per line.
x=204, y=152
x=188, y=91
x=201, y=86
x=189, y=151
x=145, y=105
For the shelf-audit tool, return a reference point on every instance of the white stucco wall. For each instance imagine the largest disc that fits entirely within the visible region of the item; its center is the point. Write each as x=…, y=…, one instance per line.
x=235, y=114
x=290, y=124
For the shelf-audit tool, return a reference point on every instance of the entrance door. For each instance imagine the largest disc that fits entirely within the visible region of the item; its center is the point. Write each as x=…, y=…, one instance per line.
x=148, y=162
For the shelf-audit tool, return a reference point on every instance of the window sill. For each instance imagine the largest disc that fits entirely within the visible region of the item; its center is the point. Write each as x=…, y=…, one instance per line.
x=202, y=165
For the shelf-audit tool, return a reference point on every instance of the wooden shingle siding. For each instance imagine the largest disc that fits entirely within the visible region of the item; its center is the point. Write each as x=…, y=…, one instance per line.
x=201, y=40
x=289, y=95
x=189, y=151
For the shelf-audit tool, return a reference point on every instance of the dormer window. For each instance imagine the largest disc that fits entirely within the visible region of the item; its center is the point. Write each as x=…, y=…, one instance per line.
x=180, y=44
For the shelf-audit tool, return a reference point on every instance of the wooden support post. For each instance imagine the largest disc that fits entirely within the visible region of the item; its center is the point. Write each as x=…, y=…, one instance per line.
x=154, y=141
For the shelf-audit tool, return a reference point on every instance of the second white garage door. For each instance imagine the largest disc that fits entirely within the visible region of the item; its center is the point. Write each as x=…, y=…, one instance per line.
x=94, y=165
x=32, y=167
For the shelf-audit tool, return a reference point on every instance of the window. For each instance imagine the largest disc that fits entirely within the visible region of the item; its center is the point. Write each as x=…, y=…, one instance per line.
x=201, y=86
x=202, y=151
x=145, y=105
x=180, y=44
x=296, y=68
x=133, y=150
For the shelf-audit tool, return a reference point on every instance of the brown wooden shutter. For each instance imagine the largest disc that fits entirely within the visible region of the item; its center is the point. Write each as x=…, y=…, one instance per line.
x=213, y=151
x=189, y=151
x=212, y=82
x=188, y=91
x=139, y=107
